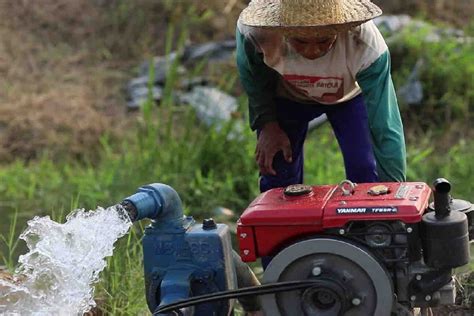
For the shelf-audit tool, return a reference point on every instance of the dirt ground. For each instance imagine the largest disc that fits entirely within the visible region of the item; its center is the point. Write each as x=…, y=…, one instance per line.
x=64, y=64
x=55, y=98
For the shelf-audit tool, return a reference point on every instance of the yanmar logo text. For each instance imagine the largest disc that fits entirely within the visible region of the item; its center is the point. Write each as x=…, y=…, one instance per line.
x=366, y=210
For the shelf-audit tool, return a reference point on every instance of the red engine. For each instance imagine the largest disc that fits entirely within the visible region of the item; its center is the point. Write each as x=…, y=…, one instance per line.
x=279, y=216
x=375, y=249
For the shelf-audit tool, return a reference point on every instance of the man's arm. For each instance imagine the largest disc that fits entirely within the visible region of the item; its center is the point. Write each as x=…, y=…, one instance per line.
x=258, y=80
x=384, y=119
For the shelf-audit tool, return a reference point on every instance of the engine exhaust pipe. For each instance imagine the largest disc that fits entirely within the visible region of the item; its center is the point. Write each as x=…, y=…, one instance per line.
x=442, y=199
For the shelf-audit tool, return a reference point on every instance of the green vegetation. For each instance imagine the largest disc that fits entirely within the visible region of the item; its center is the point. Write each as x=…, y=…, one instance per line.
x=209, y=169
x=446, y=72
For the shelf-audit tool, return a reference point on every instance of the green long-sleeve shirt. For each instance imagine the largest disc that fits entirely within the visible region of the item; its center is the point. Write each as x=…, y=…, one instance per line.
x=369, y=69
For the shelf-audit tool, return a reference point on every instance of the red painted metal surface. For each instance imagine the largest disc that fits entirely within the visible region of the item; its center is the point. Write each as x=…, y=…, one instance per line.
x=275, y=219
x=405, y=202
x=247, y=245
x=275, y=208
x=271, y=239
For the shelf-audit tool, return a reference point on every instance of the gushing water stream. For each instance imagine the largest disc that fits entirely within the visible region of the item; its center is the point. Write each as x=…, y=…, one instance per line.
x=57, y=275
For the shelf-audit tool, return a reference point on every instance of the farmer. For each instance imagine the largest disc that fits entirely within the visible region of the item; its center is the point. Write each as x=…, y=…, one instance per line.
x=299, y=59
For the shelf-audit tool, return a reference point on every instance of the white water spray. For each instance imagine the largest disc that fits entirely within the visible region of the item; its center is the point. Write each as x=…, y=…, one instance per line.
x=57, y=275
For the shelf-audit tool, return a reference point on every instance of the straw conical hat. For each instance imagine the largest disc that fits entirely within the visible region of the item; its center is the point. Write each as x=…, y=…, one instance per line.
x=319, y=15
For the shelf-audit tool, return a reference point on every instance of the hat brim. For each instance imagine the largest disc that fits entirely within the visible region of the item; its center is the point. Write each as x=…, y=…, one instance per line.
x=266, y=14
x=311, y=31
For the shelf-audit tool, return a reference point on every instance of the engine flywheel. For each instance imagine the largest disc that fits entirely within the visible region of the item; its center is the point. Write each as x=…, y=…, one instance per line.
x=349, y=281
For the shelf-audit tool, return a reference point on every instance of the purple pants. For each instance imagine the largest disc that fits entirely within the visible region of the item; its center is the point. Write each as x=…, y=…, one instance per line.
x=350, y=125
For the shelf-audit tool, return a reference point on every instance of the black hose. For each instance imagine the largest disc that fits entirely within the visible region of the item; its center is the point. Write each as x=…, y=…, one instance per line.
x=181, y=312
x=243, y=292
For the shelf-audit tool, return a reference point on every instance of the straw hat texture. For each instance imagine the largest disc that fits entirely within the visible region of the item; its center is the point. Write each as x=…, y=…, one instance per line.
x=316, y=16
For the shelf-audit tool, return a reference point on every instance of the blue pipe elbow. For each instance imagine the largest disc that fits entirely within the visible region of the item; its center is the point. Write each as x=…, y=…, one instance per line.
x=156, y=201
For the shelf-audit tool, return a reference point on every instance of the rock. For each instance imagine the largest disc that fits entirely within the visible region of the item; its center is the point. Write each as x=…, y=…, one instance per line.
x=211, y=51
x=412, y=92
x=392, y=23
x=211, y=104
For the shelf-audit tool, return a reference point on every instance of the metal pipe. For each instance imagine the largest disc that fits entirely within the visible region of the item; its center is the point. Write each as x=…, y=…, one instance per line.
x=442, y=199
x=246, y=278
x=156, y=201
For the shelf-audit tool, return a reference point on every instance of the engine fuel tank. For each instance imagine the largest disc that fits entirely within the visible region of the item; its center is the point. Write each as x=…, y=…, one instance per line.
x=281, y=215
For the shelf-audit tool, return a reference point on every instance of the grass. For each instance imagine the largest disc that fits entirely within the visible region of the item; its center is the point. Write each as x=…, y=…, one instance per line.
x=167, y=144
x=446, y=74
x=122, y=288
x=211, y=172
x=10, y=240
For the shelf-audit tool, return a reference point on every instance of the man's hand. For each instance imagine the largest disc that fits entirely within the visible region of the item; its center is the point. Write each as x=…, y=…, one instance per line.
x=271, y=140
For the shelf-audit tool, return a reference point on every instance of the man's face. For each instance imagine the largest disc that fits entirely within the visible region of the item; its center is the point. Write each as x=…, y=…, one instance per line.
x=312, y=47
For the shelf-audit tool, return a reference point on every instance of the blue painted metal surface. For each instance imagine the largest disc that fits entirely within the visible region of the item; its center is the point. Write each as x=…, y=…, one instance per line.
x=190, y=263
x=158, y=202
x=182, y=259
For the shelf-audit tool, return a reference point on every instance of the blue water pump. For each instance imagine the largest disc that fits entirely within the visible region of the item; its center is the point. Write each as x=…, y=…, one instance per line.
x=182, y=259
